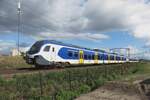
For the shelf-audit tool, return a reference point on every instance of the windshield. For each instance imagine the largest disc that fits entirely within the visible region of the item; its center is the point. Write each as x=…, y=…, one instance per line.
x=35, y=48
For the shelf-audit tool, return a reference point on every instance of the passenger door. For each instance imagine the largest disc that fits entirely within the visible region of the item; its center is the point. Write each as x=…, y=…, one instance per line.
x=81, y=59
x=96, y=58
x=53, y=53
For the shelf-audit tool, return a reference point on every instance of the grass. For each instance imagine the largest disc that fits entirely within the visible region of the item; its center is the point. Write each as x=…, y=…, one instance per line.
x=12, y=62
x=137, y=72
x=143, y=68
x=61, y=85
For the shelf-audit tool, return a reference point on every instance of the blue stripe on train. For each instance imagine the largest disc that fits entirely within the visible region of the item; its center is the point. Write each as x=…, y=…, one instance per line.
x=63, y=53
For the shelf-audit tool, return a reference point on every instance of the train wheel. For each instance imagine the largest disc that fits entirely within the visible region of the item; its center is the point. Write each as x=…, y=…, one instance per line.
x=67, y=64
x=57, y=64
x=37, y=66
x=61, y=65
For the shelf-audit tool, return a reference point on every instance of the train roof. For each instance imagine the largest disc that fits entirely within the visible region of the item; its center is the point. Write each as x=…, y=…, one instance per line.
x=75, y=46
x=65, y=44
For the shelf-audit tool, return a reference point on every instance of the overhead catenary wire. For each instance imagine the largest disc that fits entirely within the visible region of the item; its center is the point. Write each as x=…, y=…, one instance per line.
x=120, y=51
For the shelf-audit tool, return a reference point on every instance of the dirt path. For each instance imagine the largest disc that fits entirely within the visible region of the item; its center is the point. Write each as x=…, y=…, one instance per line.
x=115, y=91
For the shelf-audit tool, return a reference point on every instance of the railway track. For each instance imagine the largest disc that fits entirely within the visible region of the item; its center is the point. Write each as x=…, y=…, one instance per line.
x=9, y=73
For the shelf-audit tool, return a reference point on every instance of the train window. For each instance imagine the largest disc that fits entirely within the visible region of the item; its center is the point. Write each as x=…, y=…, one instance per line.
x=70, y=54
x=47, y=48
x=98, y=57
x=125, y=59
x=101, y=57
x=53, y=49
x=111, y=57
x=118, y=58
x=85, y=56
x=89, y=57
x=93, y=57
x=76, y=54
x=105, y=57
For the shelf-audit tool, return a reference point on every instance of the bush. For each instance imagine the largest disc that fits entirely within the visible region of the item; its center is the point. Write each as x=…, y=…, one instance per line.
x=2, y=81
x=66, y=95
x=84, y=89
x=100, y=81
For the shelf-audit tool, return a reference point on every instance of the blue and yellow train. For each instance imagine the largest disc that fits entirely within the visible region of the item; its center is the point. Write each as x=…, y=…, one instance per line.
x=50, y=52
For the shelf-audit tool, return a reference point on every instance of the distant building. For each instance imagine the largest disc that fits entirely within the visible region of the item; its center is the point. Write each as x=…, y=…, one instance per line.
x=15, y=52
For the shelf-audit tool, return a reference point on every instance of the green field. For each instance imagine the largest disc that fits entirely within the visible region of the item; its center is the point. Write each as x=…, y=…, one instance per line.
x=139, y=72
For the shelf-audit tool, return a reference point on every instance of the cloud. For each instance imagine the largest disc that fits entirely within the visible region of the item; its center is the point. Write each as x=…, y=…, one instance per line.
x=7, y=46
x=139, y=53
x=126, y=15
x=88, y=19
x=23, y=44
x=88, y=36
x=135, y=53
x=49, y=16
x=133, y=50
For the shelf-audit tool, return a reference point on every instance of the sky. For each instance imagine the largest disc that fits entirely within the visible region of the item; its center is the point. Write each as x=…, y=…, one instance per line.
x=90, y=23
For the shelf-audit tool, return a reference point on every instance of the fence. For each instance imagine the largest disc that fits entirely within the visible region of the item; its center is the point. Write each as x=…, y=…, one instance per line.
x=66, y=84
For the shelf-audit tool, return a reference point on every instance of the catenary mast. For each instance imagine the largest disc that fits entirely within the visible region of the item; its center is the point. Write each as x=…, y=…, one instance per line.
x=19, y=14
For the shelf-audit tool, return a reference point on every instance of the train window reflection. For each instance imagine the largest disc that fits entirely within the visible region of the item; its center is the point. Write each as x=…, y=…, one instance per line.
x=47, y=48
